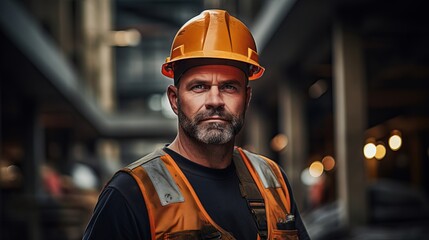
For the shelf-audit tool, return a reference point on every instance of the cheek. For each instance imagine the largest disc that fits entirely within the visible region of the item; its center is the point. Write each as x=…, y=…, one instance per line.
x=237, y=105
x=190, y=106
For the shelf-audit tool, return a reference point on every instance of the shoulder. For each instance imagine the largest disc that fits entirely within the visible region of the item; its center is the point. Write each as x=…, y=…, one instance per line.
x=125, y=185
x=121, y=192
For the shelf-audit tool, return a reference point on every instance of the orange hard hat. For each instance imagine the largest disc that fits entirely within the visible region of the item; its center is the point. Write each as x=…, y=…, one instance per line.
x=214, y=34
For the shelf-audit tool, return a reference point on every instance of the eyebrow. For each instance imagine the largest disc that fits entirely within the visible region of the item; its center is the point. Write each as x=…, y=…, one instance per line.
x=201, y=81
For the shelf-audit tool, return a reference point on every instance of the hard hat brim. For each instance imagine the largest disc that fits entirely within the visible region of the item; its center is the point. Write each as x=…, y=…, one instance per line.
x=254, y=72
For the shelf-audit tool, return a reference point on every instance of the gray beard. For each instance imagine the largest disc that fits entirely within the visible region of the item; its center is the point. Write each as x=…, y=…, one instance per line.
x=211, y=133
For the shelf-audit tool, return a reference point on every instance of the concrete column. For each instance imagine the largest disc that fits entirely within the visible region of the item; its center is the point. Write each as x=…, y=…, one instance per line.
x=350, y=123
x=106, y=83
x=97, y=52
x=292, y=122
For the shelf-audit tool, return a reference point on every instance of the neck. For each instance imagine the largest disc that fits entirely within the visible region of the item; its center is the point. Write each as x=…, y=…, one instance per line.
x=209, y=155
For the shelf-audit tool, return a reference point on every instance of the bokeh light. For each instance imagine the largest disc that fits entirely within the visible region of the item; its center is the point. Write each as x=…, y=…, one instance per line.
x=380, y=151
x=84, y=177
x=395, y=141
x=307, y=179
x=279, y=142
x=328, y=163
x=369, y=150
x=316, y=169
x=130, y=37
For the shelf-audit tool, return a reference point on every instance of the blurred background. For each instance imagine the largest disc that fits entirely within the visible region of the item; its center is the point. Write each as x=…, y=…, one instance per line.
x=343, y=107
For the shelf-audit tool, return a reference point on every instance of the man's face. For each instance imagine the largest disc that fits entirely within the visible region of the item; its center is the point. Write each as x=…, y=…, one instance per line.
x=211, y=102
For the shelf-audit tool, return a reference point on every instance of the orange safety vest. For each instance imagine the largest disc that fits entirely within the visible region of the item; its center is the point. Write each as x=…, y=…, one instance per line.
x=175, y=212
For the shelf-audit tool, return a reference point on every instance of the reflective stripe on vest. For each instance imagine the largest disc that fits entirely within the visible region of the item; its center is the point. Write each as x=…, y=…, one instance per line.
x=166, y=188
x=264, y=171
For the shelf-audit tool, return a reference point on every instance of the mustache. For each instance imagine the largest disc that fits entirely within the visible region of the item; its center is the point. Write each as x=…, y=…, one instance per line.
x=213, y=112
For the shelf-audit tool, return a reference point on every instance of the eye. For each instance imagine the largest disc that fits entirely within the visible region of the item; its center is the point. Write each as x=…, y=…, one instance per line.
x=199, y=88
x=230, y=88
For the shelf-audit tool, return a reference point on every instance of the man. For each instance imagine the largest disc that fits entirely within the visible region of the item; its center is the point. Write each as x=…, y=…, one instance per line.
x=200, y=186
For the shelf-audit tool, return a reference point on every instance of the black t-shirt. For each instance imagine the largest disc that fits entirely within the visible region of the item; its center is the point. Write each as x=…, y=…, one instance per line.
x=121, y=211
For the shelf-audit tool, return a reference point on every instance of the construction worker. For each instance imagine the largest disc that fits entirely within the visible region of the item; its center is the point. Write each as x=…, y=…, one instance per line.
x=201, y=186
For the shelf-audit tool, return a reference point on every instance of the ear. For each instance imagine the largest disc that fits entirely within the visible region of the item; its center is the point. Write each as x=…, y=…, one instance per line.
x=248, y=96
x=172, y=94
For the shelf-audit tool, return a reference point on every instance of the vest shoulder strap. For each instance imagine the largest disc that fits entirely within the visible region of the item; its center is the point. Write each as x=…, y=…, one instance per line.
x=271, y=185
x=250, y=192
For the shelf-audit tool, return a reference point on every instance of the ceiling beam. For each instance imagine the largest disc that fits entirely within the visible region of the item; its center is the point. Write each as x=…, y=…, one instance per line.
x=268, y=20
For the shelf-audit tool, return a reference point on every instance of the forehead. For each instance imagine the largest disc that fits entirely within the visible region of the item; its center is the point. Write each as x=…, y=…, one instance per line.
x=208, y=72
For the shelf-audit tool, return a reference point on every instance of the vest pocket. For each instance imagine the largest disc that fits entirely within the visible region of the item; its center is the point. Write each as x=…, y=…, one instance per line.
x=285, y=234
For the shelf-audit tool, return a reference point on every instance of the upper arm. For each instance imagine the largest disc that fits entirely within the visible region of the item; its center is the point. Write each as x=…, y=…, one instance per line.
x=120, y=212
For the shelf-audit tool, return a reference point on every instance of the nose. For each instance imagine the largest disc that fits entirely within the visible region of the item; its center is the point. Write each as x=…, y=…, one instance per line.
x=214, y=98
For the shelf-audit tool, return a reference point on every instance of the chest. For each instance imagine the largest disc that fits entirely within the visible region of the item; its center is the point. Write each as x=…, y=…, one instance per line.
x=222, y=200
